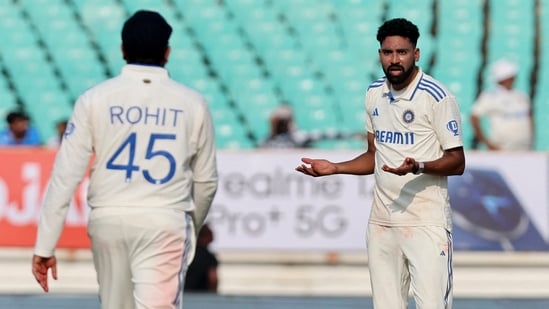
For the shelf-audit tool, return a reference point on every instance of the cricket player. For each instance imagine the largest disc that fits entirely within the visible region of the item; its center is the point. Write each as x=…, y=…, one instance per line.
x=152, y=181
x=507, y=109
x=414, y=144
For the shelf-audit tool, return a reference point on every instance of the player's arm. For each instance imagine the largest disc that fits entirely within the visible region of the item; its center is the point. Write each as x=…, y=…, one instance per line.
x=479, y=133
x=203, y=194
x=40, y=268
x=70, y=165
x=213, y=280
x=204, y=166
x=482, y=106
x=452, y=162
x=361, y=165
x=447, y=125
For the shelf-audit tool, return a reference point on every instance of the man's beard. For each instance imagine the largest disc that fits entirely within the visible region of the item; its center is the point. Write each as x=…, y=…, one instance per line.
x=19, y=134
x=397, y=80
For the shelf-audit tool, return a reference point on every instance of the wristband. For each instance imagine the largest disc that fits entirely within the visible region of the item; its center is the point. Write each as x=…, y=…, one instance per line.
x=420, y=168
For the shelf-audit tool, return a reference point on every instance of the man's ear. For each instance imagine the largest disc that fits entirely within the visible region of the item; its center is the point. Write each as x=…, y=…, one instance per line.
x=123, y=51
x=167, y=54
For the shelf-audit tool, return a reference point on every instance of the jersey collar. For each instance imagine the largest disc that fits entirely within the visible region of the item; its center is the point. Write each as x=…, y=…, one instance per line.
x=147, y=71
x=409, y=91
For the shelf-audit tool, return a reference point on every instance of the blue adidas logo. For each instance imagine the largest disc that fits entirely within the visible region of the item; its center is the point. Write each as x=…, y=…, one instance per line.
x=375, y=112
x=442, y=253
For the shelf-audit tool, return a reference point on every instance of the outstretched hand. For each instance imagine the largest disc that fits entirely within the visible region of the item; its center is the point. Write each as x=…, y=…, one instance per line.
x=40, y=267
x=316, y=167
x=409, y=165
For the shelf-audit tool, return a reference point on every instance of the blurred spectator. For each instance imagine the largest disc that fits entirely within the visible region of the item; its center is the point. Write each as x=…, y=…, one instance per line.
x=60, y=128
x=202, y=273
x=19, y=132
x=507, y=110
x=284, y=133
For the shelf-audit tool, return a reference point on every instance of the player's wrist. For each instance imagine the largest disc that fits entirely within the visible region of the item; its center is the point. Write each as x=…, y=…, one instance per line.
x=420, y=166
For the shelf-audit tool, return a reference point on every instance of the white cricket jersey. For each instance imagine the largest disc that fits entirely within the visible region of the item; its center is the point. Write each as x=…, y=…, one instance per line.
x=509, y=117
x=151, y=139
x=422, y=122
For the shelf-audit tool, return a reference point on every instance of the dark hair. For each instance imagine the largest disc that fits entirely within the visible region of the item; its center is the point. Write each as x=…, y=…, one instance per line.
x=145, y=38
x=398, y=27
x=17, y=115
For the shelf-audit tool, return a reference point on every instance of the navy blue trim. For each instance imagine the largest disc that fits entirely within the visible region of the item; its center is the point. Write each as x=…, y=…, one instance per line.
x=430, y=91
x=450, y=262
x=378, y=83
x=432, y=88
x=417, y=86
x=435, y=86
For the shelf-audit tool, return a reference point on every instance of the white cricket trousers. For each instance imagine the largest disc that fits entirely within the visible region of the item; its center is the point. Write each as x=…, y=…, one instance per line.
x=140, y=256
x=416, y=255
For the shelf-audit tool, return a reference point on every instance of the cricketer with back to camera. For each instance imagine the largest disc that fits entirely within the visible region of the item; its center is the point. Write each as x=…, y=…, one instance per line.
x=152, y=181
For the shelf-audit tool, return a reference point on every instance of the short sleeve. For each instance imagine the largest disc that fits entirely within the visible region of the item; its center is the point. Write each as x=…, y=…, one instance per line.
x=447, y=123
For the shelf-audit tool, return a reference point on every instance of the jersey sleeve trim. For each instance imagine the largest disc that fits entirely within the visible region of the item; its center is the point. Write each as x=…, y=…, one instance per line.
x=377, y=83
x=432, y=87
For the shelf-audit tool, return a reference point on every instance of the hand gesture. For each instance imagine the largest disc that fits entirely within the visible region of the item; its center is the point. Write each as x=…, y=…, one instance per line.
x=316, y=167
x=409, y=165
x=40, y=267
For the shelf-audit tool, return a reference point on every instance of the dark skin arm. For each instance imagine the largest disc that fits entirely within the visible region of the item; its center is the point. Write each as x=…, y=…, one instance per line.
x=452, y=162
x=475, y=122
x=213, y=280
x=361, y=165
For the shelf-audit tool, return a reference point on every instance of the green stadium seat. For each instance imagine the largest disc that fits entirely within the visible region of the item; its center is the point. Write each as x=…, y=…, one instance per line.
x=160, y=6
x=321, y=55
x=185, y=61
x=257, y=98
x=512, y=37
x=8, y=102
x=229, y=131
x=216, y=99
x=48, y=107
